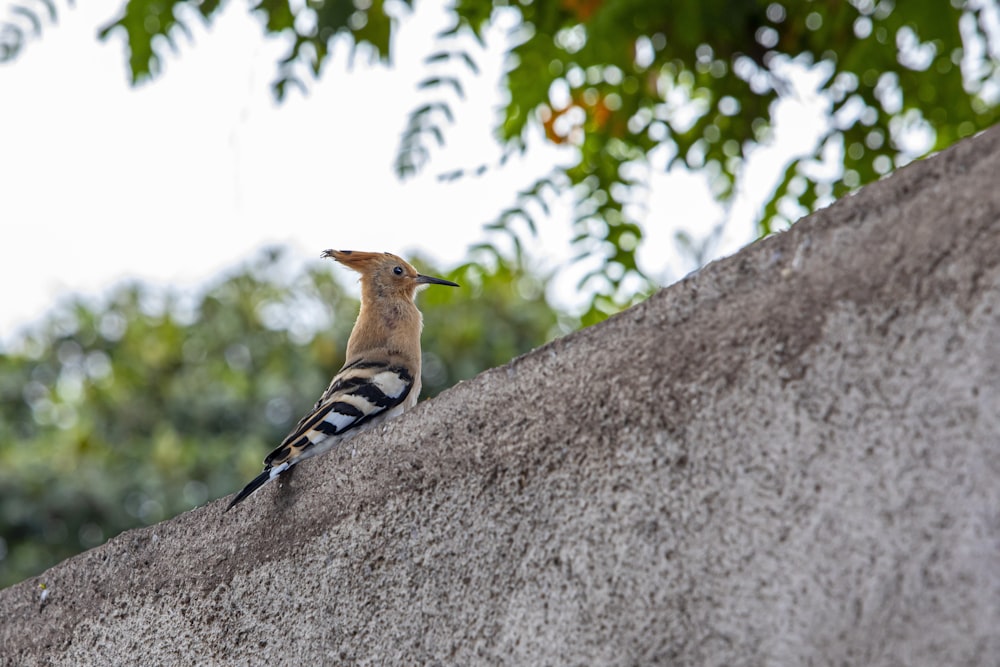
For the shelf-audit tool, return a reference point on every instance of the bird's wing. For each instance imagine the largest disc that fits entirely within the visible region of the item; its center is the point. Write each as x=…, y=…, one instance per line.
x=359, y=392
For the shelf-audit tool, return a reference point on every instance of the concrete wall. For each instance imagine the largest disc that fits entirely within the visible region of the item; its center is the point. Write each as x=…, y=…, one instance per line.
x=791, y=457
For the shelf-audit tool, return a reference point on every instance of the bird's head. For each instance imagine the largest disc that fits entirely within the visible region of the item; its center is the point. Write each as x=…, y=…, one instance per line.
x=384, y=273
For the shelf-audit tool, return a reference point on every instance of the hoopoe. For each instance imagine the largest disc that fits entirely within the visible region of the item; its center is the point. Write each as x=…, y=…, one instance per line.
x=381, y=374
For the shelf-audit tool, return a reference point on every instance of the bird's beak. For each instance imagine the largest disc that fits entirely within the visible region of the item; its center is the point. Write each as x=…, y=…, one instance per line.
x=428, y=280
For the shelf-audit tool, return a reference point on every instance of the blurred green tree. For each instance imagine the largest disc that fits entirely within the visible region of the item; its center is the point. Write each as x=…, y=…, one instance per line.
x=695, y=82
x=123, y=412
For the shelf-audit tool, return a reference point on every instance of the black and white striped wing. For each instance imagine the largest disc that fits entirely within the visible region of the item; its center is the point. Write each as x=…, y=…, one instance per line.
x=359, y=393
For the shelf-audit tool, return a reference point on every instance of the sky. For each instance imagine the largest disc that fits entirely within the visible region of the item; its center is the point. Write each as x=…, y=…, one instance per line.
x=189, y=174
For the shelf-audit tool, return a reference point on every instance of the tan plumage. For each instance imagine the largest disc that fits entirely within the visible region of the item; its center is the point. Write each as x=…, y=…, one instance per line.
x=381, y=374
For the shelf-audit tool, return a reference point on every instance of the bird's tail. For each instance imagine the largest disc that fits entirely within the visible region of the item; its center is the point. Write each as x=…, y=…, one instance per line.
x=257, y=482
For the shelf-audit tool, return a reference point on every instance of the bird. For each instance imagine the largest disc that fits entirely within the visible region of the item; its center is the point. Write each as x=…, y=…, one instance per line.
x=380, y=378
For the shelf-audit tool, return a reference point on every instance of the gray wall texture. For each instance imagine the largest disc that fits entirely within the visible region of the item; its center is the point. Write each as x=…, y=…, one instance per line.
x=790, y=457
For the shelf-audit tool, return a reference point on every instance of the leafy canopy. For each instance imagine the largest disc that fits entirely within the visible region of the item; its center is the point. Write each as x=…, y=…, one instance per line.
x=620, y=80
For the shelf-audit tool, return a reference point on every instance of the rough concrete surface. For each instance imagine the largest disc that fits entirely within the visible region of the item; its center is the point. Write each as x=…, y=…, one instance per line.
x=790, y=457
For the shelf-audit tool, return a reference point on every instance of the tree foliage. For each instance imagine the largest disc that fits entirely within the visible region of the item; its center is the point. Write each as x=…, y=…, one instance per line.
x=698, y=82
x=125, y=412
x=624, y=81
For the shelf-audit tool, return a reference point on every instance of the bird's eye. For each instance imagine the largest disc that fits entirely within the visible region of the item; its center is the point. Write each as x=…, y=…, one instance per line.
x=398, y=270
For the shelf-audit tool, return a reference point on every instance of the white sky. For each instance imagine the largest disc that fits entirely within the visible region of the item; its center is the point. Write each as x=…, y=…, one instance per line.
x=189, y=174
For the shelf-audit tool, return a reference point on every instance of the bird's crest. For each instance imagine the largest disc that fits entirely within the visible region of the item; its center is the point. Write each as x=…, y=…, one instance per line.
x=366, y=262
x=384, y=274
